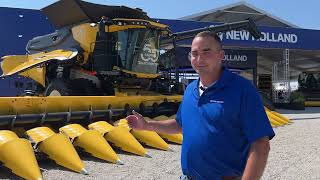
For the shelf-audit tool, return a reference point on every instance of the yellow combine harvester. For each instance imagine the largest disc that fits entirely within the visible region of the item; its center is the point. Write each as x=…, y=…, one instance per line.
x=102, y=62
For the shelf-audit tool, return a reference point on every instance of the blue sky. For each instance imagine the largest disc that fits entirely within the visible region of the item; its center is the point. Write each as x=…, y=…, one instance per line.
x=303, y=13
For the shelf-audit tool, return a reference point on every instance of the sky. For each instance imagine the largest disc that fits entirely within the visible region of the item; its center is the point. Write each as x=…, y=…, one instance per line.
x=302, y=13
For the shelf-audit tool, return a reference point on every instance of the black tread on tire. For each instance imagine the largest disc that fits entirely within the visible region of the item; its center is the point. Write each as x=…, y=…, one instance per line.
x=62, y=86
x=84, y=87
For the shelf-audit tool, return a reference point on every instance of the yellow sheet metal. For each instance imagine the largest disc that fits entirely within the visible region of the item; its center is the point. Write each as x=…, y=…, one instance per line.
x=91, y=141
x=149, y=138
x=312, y=104
x=273, y=122
x=275, y=118
x=17, y=155
x=278, y=115
x=6, y=136
x=119, y=137
x=29, y=105
x=281, y=116
x=101, y=126
x=39, y=134
x=57, y=147
x=175, y=138
x=19, y=63
x=162, y=26
x=137, y=74
x=73, y=130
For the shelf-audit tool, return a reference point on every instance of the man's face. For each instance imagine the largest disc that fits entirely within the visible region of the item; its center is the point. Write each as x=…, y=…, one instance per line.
x=206, y=55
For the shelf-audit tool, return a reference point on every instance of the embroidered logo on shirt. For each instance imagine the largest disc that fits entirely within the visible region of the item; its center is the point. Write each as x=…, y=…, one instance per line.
x=215, y=101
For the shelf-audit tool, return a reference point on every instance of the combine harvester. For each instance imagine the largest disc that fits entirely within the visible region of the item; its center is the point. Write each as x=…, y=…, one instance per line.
x=101, y=63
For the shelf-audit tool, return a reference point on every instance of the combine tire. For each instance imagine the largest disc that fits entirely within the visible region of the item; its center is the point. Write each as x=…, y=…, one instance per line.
x=84, y=87
x=58, y=87
x=76, y=87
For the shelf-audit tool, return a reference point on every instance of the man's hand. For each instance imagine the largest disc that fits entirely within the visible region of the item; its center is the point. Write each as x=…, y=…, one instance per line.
x=136, y=121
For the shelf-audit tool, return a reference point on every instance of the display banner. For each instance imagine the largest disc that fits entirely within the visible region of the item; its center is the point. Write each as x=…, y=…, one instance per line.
x=234, y=59
x=272, y=37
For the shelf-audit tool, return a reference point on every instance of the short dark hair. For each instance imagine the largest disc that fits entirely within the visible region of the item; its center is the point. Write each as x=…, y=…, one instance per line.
x=212, y=35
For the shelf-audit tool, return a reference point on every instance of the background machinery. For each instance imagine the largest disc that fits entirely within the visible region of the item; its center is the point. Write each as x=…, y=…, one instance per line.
x=309, y=85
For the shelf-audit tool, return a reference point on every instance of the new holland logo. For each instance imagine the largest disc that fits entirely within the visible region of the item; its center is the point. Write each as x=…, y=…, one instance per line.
x=215, y=101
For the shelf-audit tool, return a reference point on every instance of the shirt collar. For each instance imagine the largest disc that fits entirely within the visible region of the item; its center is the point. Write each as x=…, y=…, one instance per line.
x=201, y=85
x=224, y=80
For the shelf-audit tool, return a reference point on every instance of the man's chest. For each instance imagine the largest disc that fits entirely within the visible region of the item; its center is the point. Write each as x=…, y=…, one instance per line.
x=213, y=111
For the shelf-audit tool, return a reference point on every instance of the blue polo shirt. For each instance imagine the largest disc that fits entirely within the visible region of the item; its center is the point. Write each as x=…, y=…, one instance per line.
x=219, y=126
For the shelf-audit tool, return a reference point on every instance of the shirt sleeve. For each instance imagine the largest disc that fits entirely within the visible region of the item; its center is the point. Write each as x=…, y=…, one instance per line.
x=178, y=116
x=255, y=122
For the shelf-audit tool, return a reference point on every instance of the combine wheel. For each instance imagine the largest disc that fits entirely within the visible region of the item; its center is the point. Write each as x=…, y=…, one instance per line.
x=58, y=87
x=76, y=87
x=84, y=87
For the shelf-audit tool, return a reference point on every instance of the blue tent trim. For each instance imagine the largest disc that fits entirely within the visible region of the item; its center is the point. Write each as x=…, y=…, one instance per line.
x=273, y=37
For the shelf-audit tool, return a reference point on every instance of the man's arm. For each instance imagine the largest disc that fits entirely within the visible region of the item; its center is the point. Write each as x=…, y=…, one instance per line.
x=257, y=159
x=136, y=121
x=169, y=126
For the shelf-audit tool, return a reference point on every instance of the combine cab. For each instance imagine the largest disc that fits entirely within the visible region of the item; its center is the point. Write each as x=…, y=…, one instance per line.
x=103, y=62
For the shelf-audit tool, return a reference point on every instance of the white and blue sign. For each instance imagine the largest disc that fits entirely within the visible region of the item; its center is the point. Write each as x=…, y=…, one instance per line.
x=240, y=59
x=234, y=59
x=272, y=37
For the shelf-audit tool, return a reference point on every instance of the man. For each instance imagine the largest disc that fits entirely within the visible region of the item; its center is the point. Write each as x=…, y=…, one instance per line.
x=225, y=129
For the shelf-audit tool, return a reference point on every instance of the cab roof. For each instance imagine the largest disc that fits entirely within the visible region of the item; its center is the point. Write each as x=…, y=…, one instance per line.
x=68, y=12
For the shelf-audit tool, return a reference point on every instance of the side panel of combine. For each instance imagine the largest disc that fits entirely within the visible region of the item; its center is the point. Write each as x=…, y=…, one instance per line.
x=29, y=65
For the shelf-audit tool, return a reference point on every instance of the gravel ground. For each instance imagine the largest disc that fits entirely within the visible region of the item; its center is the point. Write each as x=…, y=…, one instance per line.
x=294, y=155
x=295, y=149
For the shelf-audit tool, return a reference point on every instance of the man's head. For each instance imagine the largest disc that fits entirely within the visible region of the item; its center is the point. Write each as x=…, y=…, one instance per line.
x=206, y=53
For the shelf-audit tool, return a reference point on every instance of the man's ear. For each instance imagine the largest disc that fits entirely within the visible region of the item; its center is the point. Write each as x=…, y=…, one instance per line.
x=221, y=54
